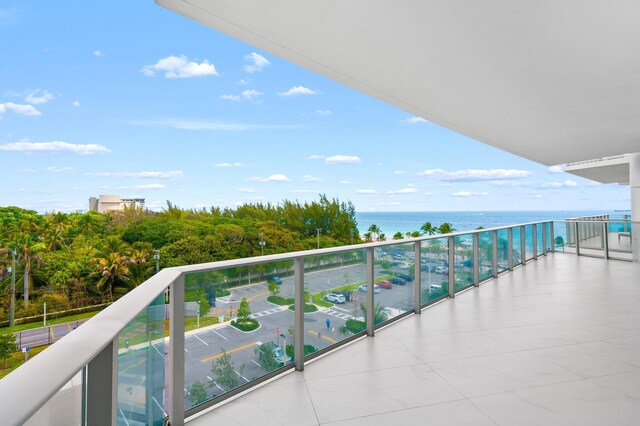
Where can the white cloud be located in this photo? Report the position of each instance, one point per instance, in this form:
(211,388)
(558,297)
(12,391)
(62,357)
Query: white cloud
(235,98)
(247,95)
(145,187)
(323,112)
(298,90)
(399,172)
(278,177)
(213,125)
(414,120)
(510,183)
(310,178)
(180,67)
(315,157)
(472,175)
(563,184)
(345,182)
(247,190)
(29,170)
(256,63)
(391,204)
(469,194)
(556,169)
(80,149)
(428,194)
(343,159)
(38,97)
(228,164)
(98,53)
(21,109)
(144,175)
(242,82)
(76,104)
(54,169)
(366,191)
(409,190)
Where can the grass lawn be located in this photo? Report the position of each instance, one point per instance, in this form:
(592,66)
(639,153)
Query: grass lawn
(16,359)
(70,318)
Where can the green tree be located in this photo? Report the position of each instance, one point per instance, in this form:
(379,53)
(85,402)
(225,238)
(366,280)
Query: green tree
(29,250)
(379,315)
(375,232)
(446,228)
(428,229)
(7,347)
(244,310)
(274,288)
(225,371)
(112,269)
(265,356)
(397,236)
(196,393)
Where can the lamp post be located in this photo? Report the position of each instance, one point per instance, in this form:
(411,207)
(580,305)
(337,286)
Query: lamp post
(318,234)
(198,317)
(12,305)
(262,242)
(156,256)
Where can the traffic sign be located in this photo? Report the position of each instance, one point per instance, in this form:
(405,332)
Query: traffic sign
(277,329)
(26,349)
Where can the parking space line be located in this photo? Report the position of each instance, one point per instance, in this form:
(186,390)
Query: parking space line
(157,350)
(69,325)
(210,379)
(246,380)
(219,334)
(196,336)
(255,363)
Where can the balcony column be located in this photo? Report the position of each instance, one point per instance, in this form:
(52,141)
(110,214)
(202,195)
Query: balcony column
(634,184)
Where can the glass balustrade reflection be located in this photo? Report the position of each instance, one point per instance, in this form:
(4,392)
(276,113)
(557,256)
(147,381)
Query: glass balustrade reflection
(143,350)
(335,299)
(239,326)
(394,277)
(517,246)
(503,250)
(547,226)
(539,238)
(561,238)
(463,265)
(591,237)
(434,274)
(64,408)
(619,235)
(485,255)
(528,237)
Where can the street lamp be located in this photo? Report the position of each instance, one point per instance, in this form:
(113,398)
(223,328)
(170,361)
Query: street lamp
(12,305)
(318,234)
(198,320)
(156,256)
(262,242)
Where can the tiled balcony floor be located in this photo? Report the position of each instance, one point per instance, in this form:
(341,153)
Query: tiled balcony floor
(554,343)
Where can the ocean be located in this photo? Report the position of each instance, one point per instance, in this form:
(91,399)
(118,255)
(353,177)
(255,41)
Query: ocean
(392,222)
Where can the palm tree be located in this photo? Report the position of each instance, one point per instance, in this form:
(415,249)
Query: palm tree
(28,255)
(375,232)
(428,229)
(446,228)
(112,269)
(139,267)
(379,315)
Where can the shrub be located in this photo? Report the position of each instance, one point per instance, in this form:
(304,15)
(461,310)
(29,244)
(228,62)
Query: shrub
(308,349)
(248,324)
(307,308)
(355,326)
(278,300)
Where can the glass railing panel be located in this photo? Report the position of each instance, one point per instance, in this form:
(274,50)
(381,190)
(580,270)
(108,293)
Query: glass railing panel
(485,255)
(463,262)
(619,235)
(335,293)
(540,242)
(517,247)
(239,325)
(547,226)
(591,237)
(434,274)
(503,250)
(143,350)
(63,408)
(561,239)
(394,277)
(528,236)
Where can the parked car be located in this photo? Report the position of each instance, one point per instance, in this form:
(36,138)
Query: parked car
(385,284)
(406,277)
(348,295)
(363,288)
(397,281)
(441,270)
(276,280)
(435,287)
(335,298)
(281,358)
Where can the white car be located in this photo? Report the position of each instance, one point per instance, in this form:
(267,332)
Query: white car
(441,270)
(435,287)
(335,298)
(363,288)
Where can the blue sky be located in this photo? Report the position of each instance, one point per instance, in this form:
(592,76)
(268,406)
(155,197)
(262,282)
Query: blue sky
(124,97)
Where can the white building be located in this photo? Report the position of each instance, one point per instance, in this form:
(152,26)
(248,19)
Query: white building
(105,203)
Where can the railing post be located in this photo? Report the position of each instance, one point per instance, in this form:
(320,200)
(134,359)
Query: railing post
(510,248)
(534,233)
(544,239)
(102,386)
(577,237)
(476,259)
(494,253)
(298,321)
(552,237)
(417,278)
(370,300)
(605,239)
(452,267)
(523,245)
(176,352)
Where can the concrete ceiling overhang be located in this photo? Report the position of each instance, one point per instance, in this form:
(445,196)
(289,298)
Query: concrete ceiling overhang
(604,170)
(552,81)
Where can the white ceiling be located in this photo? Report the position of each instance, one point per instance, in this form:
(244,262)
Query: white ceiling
(605,170)
(551,81)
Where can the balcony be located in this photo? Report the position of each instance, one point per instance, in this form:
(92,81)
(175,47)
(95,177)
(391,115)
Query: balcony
(476,326)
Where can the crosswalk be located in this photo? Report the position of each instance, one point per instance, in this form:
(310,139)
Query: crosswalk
(267,312)
(337,314)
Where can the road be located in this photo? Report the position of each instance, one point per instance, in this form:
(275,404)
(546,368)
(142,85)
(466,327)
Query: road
(204,346)
(45,335)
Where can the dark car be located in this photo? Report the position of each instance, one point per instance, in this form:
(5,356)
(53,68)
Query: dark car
(276,280)
(348,295)
(405,277)
(397,280)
